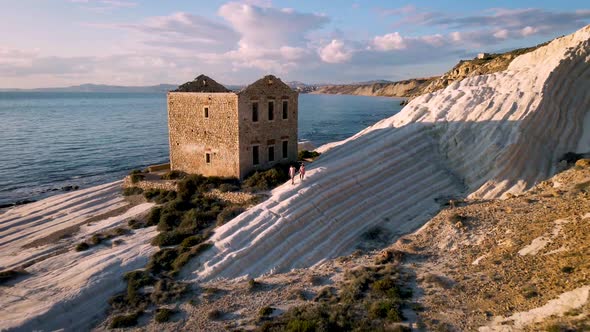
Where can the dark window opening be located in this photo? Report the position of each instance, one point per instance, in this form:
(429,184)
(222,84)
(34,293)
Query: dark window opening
(206,112)
(271,153)
(271,111)
(255,159)
(285,149)
(208,158)
(285,109)
(254,112)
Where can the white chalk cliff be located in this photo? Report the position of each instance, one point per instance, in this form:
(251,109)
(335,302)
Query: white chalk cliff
(481,137)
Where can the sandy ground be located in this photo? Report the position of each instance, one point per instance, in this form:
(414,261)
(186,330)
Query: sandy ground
(483,265)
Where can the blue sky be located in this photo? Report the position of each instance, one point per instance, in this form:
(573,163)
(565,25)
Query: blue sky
(49,43)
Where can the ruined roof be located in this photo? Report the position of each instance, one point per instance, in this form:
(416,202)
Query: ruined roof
(267,81)
(202,83)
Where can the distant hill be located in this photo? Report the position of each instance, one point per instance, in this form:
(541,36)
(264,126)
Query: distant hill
(412,88)
(376,88)
(101,88)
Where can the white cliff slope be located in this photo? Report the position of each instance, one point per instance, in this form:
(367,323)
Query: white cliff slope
(64,288)
(481,137)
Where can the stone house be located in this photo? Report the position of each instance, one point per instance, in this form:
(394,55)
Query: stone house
(216,132)
(483,56)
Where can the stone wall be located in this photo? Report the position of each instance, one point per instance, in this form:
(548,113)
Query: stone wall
(151,184)
(265,132)
(192,135)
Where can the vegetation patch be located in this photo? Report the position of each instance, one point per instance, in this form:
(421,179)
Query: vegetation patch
(135,178)
(123,321)
(228,213)
(8,275)
(129,191)
(82,246)
(174,175)
(266,180)
(184,219)
(99,238)
(370,298)
(265,311)
(163,315)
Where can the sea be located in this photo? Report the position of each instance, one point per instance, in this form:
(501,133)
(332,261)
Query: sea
(54,142)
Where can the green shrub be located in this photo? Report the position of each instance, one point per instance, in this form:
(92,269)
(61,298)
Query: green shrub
(228,187)
(386,309)
(138,278)
(201,247)
(135,178)
(135,171)
(195,220)
(228,213)
(118,301)
(266,180)
(132,191)
(169,238)
(326,294)
(167,291)
(191,241)
(304,154)
(153,217)
(253,284)
(186,256)
(118,232)
(162,260)
(96,239)
(159,196)
(300,325)
(123,321)
(173,175)
(181,261)
(163,315)
(383,286)
(135,224)
(82,246)
(265,311)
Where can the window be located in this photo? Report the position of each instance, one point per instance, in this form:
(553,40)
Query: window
(206,112)
(271,110)
(271,153)
(255,159)
(208,158)
(285,149)
(285,109)
(254,112)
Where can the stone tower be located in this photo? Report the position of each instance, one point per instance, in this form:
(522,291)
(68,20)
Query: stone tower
(216,132)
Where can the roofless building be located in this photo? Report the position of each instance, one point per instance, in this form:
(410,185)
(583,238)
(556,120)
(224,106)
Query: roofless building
(216,132)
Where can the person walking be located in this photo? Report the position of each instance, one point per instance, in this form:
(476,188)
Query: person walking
(302,171)
(292,171)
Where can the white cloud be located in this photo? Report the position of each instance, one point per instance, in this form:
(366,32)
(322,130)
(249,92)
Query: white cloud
(335,52)
(502,34)
(105,5)
(270,27)
(390,41)
(528,31)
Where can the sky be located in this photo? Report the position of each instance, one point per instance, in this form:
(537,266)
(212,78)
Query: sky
(51,43)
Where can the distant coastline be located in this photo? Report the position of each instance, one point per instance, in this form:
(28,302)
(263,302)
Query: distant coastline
(103,88)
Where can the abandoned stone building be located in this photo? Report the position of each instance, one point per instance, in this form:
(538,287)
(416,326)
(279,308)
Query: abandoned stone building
(216,132)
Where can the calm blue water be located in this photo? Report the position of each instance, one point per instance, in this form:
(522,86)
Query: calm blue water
(52,140)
